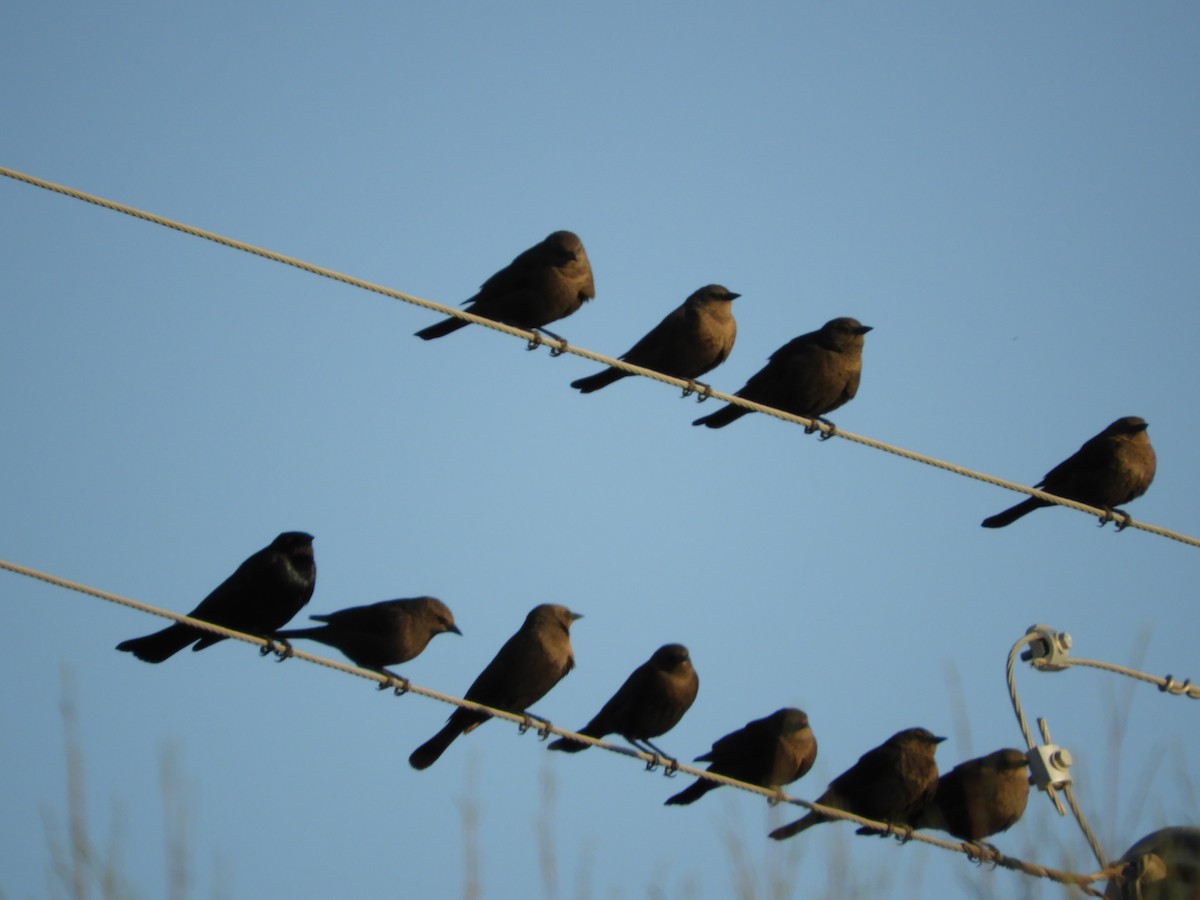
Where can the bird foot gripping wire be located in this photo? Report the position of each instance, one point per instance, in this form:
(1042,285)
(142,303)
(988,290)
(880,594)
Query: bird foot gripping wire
(528,721)
(281,647)
(824,434)
(700,389)
(398,684)
(1120,519)
(670,765)
(981,853)
(902,833)
(537,340)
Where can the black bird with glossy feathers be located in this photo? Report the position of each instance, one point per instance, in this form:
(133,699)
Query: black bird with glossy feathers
(260,597)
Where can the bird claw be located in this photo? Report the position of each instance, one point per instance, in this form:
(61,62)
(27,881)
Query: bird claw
(528,721)
(776,798)
(670,765)
(700,389)
(816,426)
(281,647)
(537,340)
(1122,523)
(396,683)
(981,852)
(902,833)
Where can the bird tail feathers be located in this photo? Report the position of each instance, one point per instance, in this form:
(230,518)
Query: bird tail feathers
(162,645)
(1010,515)
(441,329)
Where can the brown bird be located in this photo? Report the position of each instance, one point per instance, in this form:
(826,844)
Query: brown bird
(980,797)
(888,784)
(650,702)
(529,664)
(549,281)
(808,376)
(1114,467)
(261,596)
(769,752)
(693,339)
(381,634)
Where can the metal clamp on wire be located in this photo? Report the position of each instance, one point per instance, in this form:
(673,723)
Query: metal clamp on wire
(1049,766)
(1049,652)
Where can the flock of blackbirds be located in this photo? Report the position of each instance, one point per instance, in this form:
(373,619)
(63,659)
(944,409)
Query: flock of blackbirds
(896,783)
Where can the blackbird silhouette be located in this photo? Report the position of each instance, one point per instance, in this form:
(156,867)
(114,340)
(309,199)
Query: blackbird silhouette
(979,797)
(769,752)
(891,783)
(260,597)
(650,703)
(808,376)
(1114,467)
(693,339)
(529,664)
(547,282)
(381,634)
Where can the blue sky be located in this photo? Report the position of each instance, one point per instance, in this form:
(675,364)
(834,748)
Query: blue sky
(1008,196)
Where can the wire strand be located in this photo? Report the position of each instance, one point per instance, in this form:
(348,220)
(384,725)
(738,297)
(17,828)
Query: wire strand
(976,852)
(1167,684)
(561,346)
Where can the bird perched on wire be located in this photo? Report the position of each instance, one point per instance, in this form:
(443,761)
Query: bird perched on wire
(547,282)
(979,797)
(381,634)
(650,703)
(693,339)
(891,783)
(808,376)
(769,752)
(260,597)
(1112,468)
(529,664)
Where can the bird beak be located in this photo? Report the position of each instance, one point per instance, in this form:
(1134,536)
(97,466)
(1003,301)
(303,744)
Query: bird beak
(733,296)
(863,329)
(938,740)
(575,616)
(455,629)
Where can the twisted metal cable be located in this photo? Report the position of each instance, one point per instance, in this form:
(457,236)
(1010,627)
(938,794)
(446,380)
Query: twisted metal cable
(559,346)
(1088,834)
(1030,637)
(1167,684)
